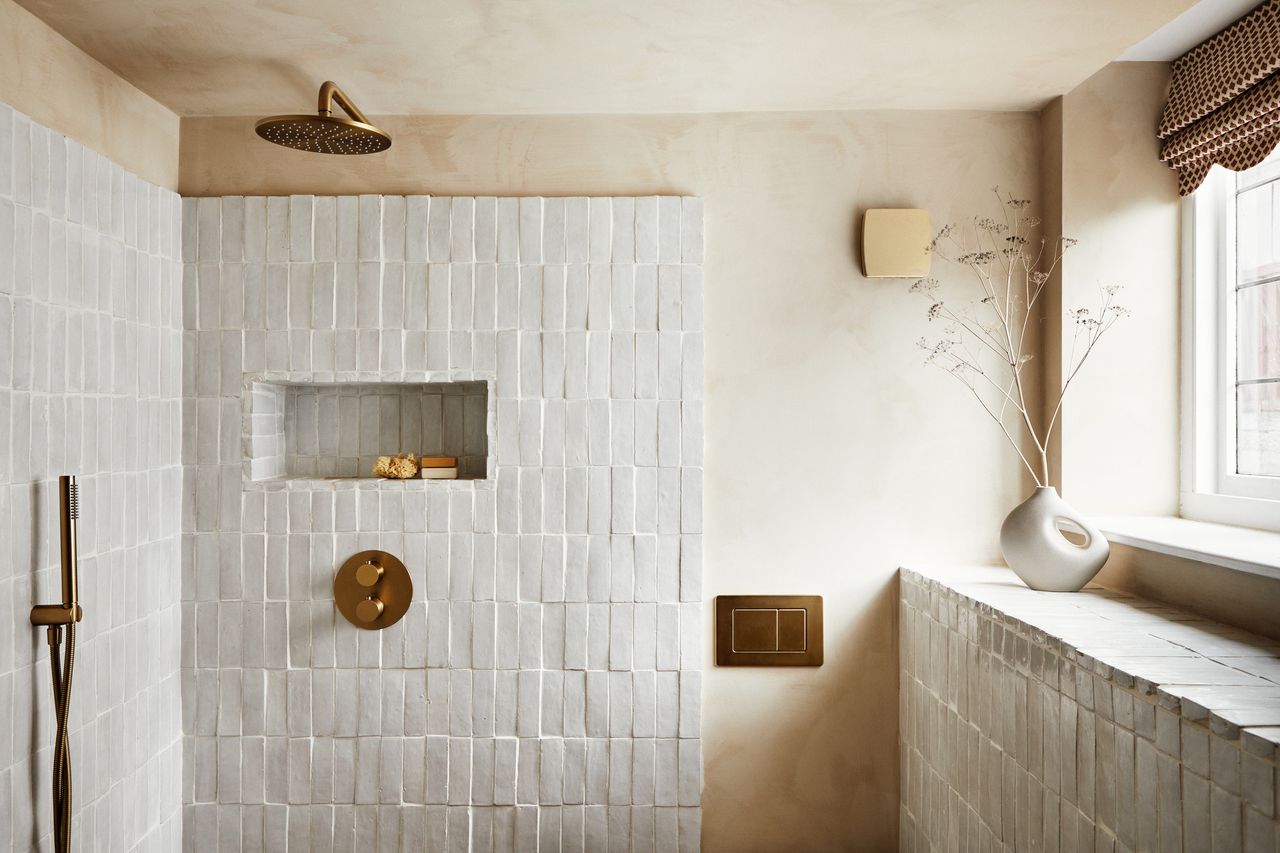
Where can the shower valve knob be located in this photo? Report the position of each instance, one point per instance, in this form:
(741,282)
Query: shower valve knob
(369,609)
(369,574)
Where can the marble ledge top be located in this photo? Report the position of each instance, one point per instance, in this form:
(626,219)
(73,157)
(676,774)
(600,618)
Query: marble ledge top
(1208,672)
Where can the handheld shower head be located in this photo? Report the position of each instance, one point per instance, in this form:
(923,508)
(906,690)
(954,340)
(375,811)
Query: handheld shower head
(69,611)
(69,498)
(57,618)
(325,133)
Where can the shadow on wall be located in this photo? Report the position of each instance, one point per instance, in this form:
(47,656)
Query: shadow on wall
(1224,595)
(792,787)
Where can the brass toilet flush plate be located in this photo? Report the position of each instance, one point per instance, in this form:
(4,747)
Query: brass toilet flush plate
(769,630)
(373,590)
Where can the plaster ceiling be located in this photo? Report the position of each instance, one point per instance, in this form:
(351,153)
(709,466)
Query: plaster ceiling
(248,57)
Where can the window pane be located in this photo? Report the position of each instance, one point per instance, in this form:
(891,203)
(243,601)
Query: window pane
(1257,247)
(1258,332)
(1258,429)
(1264,171)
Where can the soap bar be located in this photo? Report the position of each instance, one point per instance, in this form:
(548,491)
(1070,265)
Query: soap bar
(439,473)
(438,462)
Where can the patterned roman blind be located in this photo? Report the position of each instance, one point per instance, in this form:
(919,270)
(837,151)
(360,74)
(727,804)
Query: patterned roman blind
(1224,100)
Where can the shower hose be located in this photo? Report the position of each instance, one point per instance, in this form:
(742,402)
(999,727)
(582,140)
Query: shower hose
(62,672)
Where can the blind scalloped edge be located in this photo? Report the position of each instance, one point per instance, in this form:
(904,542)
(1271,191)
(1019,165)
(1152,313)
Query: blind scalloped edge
(1224,100)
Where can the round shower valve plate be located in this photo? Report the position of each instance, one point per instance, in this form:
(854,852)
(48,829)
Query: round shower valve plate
(373,590)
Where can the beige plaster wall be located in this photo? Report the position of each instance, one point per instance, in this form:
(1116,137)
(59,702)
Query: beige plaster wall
(1119,439)
(61,87)
(872,459)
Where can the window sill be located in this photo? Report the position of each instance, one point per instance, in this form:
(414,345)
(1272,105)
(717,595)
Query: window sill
(1242,549)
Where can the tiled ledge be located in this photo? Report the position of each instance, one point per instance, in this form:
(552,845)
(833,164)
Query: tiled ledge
(1089,721)
(338,484)
(1206,672)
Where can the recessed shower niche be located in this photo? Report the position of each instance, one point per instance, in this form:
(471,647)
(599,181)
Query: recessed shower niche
(299,430)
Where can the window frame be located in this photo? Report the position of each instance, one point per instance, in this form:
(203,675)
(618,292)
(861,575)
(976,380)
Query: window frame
(1211,490)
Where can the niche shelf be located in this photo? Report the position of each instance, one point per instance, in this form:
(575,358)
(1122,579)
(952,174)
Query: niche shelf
(319,431)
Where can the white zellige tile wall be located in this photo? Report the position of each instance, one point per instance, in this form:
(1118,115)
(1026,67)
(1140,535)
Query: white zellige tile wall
(90,384)
(1080,723)
(543,691)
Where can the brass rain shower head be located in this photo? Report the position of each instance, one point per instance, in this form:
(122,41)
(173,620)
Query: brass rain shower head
(325,133)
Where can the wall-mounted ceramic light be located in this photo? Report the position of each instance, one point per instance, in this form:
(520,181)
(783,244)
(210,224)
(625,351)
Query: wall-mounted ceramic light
(895,243)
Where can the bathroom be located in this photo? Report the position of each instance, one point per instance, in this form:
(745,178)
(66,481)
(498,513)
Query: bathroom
(634,286)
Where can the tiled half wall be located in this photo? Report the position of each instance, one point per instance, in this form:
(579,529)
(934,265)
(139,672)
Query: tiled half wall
(1092,721)
(543,691)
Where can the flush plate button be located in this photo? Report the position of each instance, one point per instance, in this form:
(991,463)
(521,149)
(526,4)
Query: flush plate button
(769,630)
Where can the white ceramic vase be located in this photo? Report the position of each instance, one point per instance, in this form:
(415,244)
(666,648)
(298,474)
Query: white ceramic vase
(1033,545)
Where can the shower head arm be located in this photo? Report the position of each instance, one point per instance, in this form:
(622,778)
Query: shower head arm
(329,93)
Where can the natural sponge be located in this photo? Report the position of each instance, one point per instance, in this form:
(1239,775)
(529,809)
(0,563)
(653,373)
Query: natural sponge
(401,467)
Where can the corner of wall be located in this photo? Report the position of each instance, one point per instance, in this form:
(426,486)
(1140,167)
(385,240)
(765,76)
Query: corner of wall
(1117,448)
(1051,190)
(64,89)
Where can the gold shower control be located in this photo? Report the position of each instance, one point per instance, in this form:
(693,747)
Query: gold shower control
(373,590)
(369,610)
(369,574)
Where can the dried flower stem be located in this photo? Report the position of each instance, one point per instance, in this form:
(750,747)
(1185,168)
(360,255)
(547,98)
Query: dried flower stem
(1012,268)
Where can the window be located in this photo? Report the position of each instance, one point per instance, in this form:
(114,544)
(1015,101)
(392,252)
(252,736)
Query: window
(1257,321)
(1231,447)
